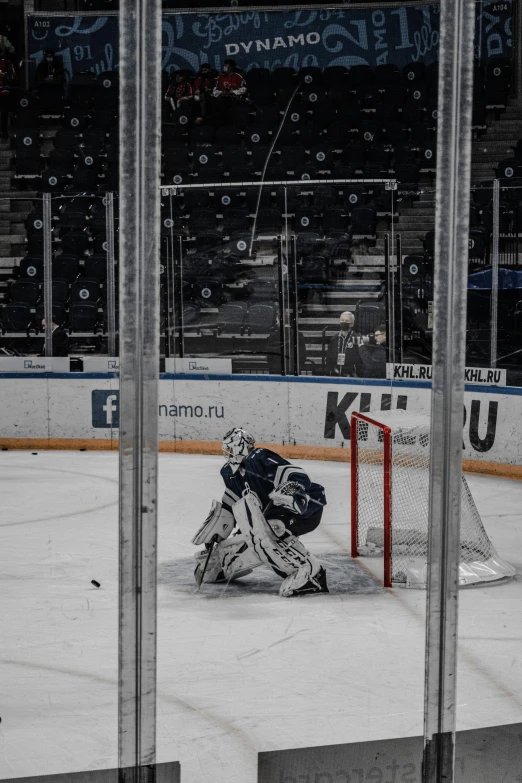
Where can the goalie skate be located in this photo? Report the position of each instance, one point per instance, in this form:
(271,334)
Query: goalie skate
(301,583)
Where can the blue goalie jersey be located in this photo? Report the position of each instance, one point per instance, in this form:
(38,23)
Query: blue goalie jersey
(262,472)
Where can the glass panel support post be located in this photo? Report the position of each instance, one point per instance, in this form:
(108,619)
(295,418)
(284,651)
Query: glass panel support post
(282,278)
(400,298)
(494,273)
(292,262)
(48,275)
(139,179)
(457,23)
(111,281)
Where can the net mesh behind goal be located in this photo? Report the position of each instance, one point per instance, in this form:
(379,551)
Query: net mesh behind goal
(390,506)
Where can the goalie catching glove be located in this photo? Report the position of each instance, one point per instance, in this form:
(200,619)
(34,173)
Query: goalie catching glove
(291,496)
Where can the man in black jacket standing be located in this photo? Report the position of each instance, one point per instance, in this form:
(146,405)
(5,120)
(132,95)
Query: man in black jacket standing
(342,356)
(374,356)
(60,343)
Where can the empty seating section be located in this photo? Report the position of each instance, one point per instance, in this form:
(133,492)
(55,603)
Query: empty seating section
(220,240)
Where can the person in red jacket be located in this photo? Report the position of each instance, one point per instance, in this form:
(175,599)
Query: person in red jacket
(179,91)
(7,78)
(203,88)
(230,84)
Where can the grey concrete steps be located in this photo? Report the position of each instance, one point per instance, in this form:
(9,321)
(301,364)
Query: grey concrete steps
(406,225)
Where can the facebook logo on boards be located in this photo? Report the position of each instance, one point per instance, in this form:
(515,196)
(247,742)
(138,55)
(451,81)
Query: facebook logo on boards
(105,409)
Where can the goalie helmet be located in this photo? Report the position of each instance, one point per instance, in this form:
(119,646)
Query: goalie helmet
(237,445)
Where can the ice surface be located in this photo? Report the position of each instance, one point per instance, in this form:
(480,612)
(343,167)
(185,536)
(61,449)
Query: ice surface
(239,670)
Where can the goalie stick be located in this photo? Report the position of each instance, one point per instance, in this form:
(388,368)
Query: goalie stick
(201,576)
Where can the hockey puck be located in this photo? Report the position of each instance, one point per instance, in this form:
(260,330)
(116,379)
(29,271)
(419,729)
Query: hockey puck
(34,453)
(95,583)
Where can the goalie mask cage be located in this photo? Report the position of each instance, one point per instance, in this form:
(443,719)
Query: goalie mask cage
(390,460)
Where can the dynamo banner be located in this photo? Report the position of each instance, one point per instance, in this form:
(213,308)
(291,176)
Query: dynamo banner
(271,39)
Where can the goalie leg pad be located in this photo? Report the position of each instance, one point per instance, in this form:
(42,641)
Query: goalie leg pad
(219,522)
(237,558)
(285,556)
(231,559)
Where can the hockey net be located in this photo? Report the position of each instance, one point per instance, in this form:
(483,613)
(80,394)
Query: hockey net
(390,502)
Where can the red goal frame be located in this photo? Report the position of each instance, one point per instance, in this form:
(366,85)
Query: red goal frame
(387,489)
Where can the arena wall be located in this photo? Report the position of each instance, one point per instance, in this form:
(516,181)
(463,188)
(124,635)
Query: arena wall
(304,417)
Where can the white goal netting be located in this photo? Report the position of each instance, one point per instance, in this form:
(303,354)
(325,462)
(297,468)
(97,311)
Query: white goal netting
(400,497)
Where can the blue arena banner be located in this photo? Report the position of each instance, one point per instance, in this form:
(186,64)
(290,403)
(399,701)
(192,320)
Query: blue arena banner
(271,39)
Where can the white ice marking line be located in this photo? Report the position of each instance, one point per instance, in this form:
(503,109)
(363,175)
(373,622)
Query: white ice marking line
(56,517)
(61,472)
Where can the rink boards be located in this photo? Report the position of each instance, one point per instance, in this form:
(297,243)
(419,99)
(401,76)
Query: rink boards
(304,417)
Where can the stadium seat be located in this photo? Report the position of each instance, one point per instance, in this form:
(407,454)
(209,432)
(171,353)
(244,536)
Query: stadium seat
(368,316)
(201,219)
(235,220)
(268,221)
(231,317)
(308,243)
(76,242)
(335,218)
(85,290)
(306,219)
(261,318)
(60,292)
(72,219)
(201,134)
(208,291)
(65,267)
(321,156)
(234,159)
(84,317)
(25,290)
(478,244)
(363,221)
(509,168)
(16,317)
(31,267)
(313,269)
(59,315)
(261,290)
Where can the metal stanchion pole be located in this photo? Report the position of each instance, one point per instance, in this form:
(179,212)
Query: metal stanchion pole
(111,282)
(494,272)
(140,71)
(457,24)
(48,277)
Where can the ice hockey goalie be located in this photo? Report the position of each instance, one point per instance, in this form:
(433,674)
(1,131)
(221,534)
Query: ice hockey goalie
(267,504)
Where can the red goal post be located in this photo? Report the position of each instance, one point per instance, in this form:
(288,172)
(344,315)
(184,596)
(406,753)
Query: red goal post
(387,488)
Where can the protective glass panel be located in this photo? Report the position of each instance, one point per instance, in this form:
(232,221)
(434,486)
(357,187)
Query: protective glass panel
(59,522)
(83,272)
(345,276)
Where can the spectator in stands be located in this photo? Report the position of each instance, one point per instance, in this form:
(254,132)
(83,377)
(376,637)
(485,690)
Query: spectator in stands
(7,79)
(179,91)
(342,355)
(6,45)
(230,84)
(203,88)
(60,343)
(50,71)
(374,356)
